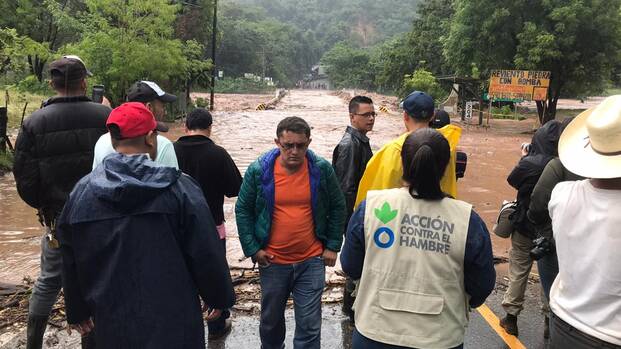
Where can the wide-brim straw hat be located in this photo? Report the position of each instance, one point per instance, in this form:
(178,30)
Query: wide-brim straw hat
(590,146)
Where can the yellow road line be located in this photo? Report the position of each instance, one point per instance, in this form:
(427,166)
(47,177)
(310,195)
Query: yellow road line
(512,341)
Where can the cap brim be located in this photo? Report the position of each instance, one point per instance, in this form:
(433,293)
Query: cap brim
(167,98)
(88,73)
(161,127)
(577,155)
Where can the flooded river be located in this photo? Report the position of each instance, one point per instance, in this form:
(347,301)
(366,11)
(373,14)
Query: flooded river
(247,134)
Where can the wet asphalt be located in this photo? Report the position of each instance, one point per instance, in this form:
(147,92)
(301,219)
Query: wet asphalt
(337,330)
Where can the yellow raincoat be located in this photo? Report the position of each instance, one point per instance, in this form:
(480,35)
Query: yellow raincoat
(384,170)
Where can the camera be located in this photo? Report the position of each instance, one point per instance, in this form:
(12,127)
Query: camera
(543,246)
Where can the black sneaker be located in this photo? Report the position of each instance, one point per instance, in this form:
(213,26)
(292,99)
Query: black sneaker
(509,323)
(213,335)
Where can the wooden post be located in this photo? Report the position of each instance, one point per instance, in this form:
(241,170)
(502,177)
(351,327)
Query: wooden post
(489,110)
(4,119)
(480,111)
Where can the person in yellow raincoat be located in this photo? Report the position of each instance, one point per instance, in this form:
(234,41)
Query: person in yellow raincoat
(384,170)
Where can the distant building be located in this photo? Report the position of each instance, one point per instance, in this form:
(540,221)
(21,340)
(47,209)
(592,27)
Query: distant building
(317,79)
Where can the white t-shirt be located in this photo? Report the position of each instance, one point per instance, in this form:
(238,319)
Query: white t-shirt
(165,151)
(587,228)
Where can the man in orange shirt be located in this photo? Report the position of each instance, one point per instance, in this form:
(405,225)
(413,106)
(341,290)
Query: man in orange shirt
(290,217)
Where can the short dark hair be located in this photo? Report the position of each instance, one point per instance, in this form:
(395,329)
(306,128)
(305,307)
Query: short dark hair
(198,119)
(424,156)
(59,82)
(293,124)
(356,101)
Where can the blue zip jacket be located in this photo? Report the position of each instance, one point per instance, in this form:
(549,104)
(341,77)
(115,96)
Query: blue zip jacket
(255,203)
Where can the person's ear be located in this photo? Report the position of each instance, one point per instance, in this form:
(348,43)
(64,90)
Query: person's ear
(276,142)
(186,130)
(351,118)
(151,139)
(84,85)
(150,106)
(406,121)
(309,141)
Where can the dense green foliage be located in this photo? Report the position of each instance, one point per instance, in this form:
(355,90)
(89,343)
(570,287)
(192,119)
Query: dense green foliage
(389,46)
(347,66)
(422,80)
(128,41)
(170,40)
(577,40)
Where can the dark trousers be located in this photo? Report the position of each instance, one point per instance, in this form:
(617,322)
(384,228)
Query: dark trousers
(359,341)
(218,324)
(565,336)
(548,269)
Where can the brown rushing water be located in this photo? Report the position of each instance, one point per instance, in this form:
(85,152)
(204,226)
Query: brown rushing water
(246,134)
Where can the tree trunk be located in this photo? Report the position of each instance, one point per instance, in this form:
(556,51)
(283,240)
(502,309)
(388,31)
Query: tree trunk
(546,110)
(36,67)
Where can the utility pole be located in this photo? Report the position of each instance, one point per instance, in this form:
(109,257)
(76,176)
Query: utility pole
(213,54)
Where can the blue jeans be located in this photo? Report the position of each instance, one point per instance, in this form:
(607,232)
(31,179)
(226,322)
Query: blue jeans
(305,281)
(548,269)
(359,341)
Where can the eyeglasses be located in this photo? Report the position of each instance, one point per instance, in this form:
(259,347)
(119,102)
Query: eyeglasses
(368,115)
(290,146)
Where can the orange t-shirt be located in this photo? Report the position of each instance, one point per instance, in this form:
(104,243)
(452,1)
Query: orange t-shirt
(292,239)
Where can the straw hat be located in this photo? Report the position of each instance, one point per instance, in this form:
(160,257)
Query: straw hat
(590,146)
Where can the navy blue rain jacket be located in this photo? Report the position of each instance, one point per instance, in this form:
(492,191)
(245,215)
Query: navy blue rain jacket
(139,247)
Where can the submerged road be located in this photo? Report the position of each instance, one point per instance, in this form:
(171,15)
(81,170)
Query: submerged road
(246,134)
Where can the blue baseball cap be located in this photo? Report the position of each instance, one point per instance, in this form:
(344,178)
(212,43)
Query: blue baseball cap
(418,105)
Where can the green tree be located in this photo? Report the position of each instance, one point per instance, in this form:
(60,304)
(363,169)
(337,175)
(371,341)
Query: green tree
(14,49)
(197,69)
(422,47)
(349,66)
(250,43)
(128,40)
(422,80)
(47,22)
(578,41)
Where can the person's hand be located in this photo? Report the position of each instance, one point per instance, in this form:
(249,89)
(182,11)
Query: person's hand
(83,328)
(263,258)
(213,314)
(329,257)
(525,148)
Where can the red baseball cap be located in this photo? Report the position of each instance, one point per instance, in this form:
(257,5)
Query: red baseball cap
(133,119)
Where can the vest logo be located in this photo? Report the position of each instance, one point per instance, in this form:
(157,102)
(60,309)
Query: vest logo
(386,213)
(384,237)
(377,237)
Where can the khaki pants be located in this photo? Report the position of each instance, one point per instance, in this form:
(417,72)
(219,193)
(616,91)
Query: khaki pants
(520,265)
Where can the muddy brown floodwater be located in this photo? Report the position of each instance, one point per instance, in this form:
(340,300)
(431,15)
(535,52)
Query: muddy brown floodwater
(492,152)
(246,133)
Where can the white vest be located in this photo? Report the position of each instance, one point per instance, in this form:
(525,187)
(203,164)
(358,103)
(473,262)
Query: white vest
(411,292)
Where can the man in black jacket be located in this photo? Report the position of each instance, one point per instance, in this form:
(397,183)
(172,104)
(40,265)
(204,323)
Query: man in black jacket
(349,160)
(54,149)
(216,173)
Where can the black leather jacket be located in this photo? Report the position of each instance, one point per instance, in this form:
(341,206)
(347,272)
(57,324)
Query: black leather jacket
(349,160)
(54,150)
